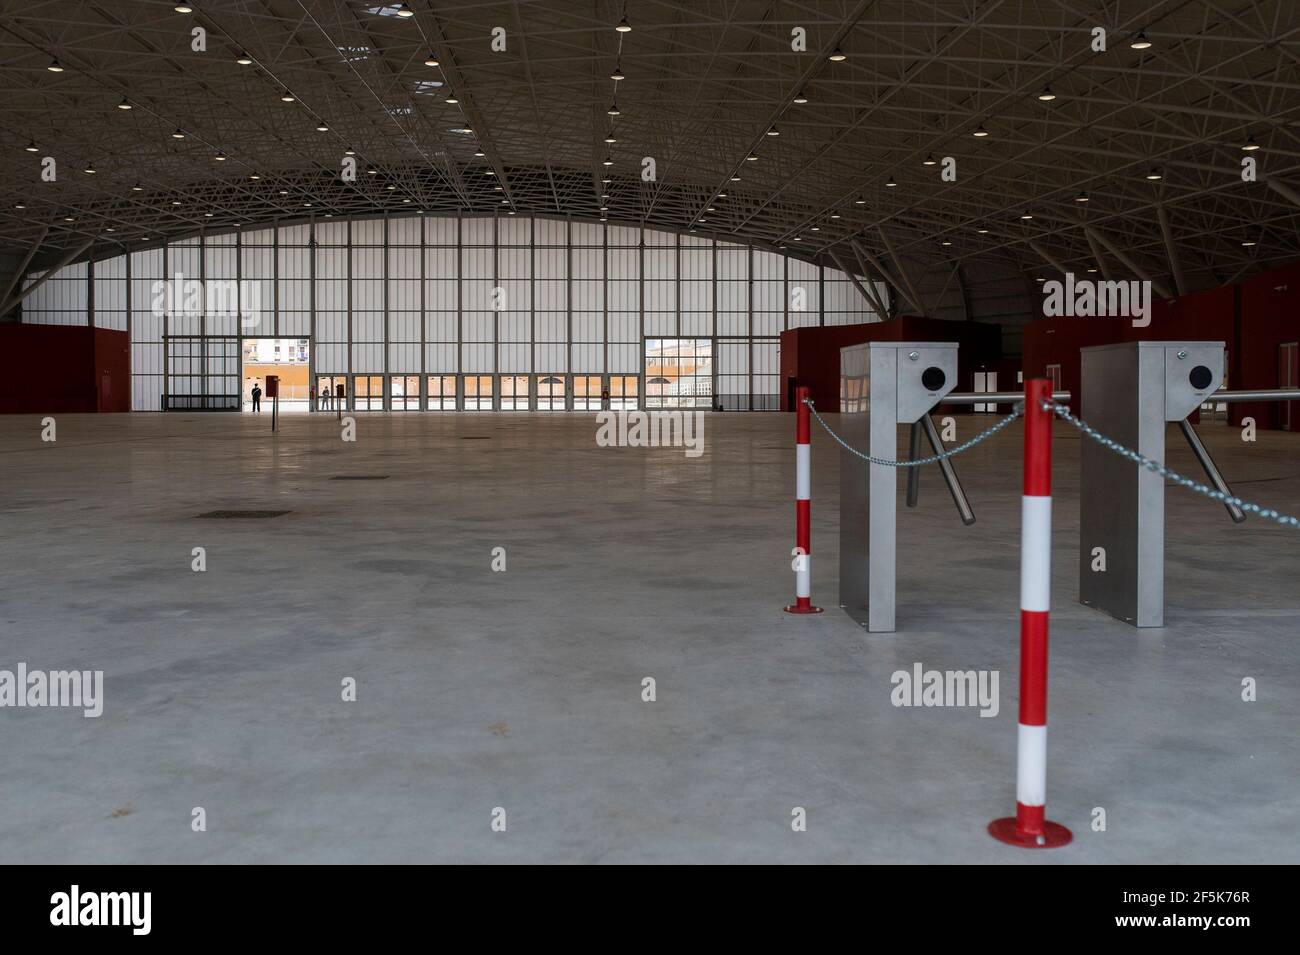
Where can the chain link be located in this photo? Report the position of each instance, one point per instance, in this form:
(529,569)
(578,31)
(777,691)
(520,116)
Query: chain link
(982,436)
(1112,445)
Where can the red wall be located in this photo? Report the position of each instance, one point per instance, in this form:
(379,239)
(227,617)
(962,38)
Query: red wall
(811,356)
(1210,315)
(47,369)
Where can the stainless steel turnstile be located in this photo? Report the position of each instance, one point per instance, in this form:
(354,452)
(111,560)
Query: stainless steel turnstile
(883,385)
(1131,390)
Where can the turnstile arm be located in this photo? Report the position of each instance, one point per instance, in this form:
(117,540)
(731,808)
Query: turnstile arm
(945,468)
(1211,470)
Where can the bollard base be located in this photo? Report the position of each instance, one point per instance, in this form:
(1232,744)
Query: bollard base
(1054,834)
(796,608)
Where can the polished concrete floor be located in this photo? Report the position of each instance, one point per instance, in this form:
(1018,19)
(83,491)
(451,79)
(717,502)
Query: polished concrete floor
(522,690)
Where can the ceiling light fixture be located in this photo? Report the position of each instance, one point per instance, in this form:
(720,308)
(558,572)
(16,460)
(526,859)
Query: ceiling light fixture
(618,73)
(751,158)
(244,59)
(980,131)
(801,97)
(613,109)
(183,8)
(220,157)
(1249,145)
(124,104)
(890,184)
(286,97)
(178,134)
(1155,175)
(624,26)
(1140,42)
(929,160)
(609,138)
(431,60)
(1026,215)
(607,161)
(137,188)
(1081,197)
(322,128)
(90,168)
(31,147)
(774,131)
(55,67)
(451,98)
(837,56)
(860,201)
(404,11)
(1047,95)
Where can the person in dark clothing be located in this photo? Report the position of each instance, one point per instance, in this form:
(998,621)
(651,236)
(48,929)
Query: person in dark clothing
(257,398)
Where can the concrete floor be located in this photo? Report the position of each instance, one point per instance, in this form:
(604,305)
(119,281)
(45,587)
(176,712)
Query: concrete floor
(522,689)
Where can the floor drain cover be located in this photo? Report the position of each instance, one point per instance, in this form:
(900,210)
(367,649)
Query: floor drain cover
(230,515)
(359,477)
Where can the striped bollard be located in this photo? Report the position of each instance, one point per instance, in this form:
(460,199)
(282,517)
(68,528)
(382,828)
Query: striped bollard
(1029,827)
(802,507)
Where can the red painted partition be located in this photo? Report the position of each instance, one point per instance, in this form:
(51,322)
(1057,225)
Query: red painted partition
(810,357)
(49,369)
(1270,318)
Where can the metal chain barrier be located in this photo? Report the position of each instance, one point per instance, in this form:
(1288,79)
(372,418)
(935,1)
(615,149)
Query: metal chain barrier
(982,436)
(1112,445)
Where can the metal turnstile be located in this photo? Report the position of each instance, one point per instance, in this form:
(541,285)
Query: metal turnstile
(883,385)
(1131,391)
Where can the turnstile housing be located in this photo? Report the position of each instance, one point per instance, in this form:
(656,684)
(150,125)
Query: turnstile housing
(1131,390)
(882,385)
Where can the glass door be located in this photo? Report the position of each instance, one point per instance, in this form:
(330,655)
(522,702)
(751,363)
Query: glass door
(442,393)
(326,391)
(404,392)
(586,393)
(622,392)
(550,392)
(514,392)
(478,392)
(367,393)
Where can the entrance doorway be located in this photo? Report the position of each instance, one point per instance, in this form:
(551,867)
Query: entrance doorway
(284,357)
(1288,376)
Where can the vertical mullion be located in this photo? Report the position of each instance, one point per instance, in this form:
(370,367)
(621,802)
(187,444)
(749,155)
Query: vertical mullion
(424,344)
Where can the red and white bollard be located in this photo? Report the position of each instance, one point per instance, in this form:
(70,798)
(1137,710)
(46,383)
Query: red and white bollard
(802,507)
(1029,827)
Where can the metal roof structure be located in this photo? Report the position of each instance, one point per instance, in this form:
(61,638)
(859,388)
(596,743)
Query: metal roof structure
(826,124)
